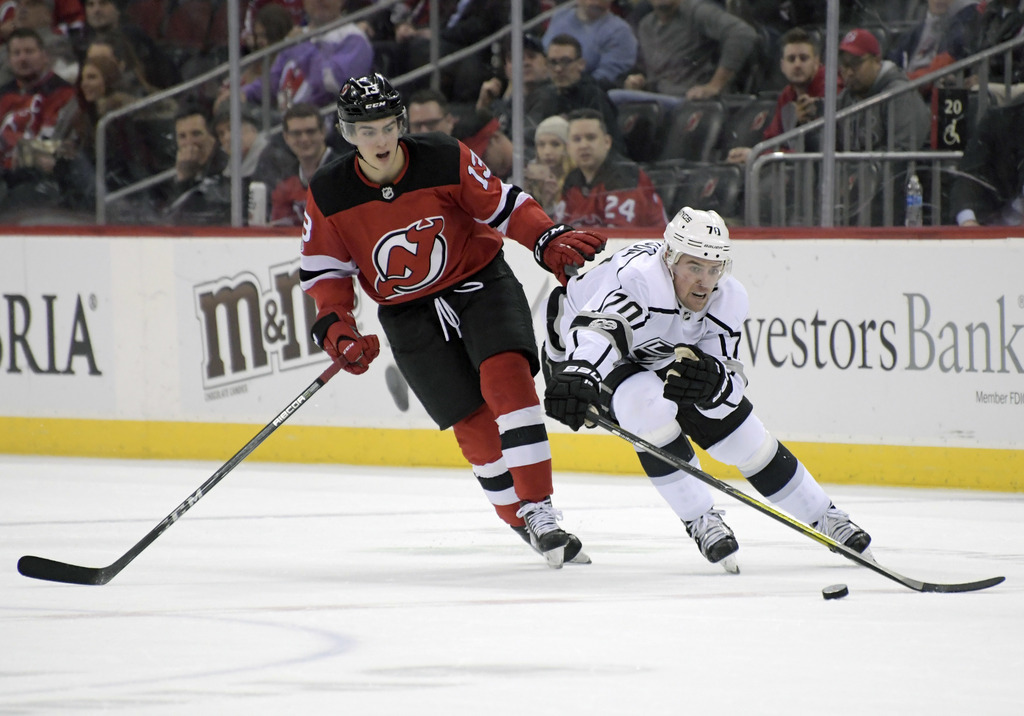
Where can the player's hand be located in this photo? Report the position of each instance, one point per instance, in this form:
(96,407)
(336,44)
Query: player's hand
(562,246)
(570,392)
(345,344)
(696,378)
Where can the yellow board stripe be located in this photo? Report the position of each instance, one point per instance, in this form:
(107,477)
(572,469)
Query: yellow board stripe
(889,465)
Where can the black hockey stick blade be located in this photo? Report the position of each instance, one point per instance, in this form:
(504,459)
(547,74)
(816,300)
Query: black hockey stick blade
(54,571)
(854,556)
(48,569)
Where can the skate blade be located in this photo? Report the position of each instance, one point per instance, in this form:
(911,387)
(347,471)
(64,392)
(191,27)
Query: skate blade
(555,557)
(729,564)
(580,558)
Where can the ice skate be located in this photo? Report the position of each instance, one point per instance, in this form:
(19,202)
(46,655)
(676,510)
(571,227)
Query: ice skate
(574,553)
(714,538)
(836,524)
(553,543)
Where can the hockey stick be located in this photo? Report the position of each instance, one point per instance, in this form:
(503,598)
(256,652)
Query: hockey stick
(594,417)
(41,568)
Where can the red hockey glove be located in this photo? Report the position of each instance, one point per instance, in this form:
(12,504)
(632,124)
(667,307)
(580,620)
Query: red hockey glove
(344,343)
(562,246)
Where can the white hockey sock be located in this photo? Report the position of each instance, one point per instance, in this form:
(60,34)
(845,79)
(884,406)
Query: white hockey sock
(803,497)
(688,497)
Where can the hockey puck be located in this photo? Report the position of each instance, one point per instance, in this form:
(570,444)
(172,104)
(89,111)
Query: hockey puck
(835,591)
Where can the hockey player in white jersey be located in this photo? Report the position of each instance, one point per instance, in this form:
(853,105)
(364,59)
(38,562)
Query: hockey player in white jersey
(651,337)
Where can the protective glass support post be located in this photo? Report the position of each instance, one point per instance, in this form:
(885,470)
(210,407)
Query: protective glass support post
(828,162)
(518,105)
(235,107)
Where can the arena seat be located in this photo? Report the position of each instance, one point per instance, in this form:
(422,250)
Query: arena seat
(692,131)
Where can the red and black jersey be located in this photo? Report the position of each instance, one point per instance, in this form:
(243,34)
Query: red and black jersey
(441,221)
(30,111)
(621,195)
(288,197)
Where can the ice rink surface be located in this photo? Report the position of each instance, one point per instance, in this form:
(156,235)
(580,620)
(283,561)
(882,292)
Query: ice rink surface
(327,590)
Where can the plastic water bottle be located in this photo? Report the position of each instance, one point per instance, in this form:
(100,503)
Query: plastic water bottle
(258,204)
(915,202)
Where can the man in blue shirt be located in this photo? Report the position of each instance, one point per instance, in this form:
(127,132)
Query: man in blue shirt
(609,46)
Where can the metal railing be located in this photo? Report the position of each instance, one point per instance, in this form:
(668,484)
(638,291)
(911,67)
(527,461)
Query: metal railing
(266,55)
(798,177)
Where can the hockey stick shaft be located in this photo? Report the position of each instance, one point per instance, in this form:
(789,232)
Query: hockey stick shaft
(51,570)
(680,464)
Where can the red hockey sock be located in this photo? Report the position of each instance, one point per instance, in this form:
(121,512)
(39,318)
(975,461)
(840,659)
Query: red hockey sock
(480,443)
(508,389)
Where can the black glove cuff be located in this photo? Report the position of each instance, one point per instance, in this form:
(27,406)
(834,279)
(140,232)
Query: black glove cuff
(580,369)
(544,239)
(319,330)
(722,391)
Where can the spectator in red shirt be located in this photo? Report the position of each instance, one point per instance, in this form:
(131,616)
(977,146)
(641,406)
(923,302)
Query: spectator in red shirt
(605,188)
(30,103)
(306,137)
(800,100)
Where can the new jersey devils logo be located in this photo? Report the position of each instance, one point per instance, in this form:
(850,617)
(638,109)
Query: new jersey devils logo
(293,85)
(411,258)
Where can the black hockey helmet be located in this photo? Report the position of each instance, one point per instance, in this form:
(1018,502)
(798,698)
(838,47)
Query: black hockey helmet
(368,98)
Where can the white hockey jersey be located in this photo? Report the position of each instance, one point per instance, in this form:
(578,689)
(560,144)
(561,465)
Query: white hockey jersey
(626,309)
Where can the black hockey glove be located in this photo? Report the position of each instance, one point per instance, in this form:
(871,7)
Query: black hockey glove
(571,390)
(697,378)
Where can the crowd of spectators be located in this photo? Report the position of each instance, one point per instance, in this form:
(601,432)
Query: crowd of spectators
(65,64)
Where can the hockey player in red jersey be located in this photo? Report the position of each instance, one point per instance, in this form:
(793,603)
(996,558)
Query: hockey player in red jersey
(651,336)
(419,221)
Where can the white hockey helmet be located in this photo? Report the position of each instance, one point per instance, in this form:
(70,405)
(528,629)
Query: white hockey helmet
(697,233)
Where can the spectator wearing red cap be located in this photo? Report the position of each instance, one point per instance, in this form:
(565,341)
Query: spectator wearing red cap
(866,75)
